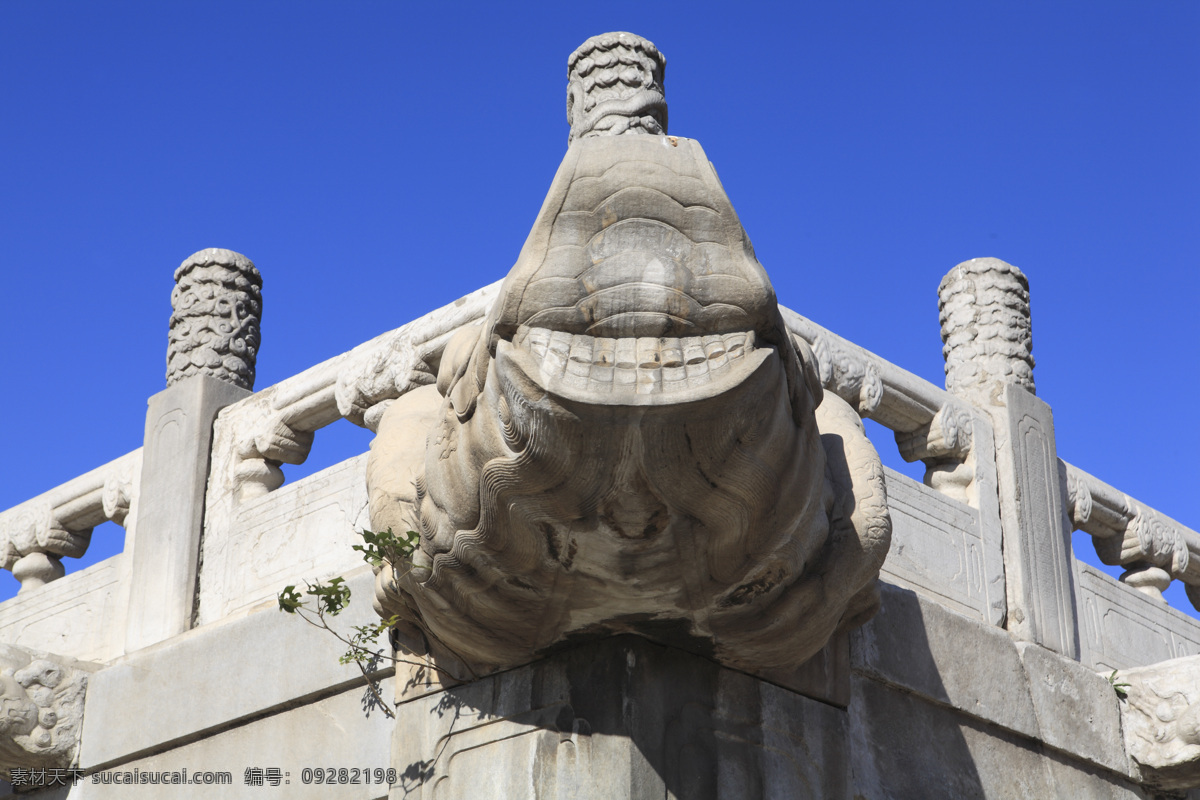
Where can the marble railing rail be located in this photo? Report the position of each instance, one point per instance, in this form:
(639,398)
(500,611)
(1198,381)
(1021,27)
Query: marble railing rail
(276,425)
(1154,548)
(37,534)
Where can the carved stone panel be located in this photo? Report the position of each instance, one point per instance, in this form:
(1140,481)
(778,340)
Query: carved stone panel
(940,549)
(1121,627)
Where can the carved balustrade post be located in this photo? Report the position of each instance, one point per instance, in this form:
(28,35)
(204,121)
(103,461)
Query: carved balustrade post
(214,337)
(988,338)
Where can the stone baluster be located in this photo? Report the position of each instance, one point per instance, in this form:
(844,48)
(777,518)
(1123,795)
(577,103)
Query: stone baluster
(213,341)
(988,338)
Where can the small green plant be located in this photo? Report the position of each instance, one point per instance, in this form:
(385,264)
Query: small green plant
(1120,687)
(328,599)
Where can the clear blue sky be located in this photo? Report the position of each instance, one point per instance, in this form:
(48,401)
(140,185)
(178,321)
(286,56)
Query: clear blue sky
(377,160)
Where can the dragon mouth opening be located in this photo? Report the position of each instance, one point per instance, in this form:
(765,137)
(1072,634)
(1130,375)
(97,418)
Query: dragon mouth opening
(635,370)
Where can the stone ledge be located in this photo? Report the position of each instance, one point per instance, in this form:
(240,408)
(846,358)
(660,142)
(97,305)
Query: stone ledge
(214,677)
(333,732)
(920,647)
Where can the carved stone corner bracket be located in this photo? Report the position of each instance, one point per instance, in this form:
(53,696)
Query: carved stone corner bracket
(42,700)
(1160,717)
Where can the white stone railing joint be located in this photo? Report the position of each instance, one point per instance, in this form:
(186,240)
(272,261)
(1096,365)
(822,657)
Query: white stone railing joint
(37,534)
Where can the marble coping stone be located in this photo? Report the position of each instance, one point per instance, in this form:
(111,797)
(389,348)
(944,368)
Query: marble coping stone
(332,733)
(215,677)
(620,719)
(904,747)
(918,646)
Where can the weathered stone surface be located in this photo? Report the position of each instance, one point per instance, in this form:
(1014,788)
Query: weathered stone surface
(623,719)
(904,747)
(633,442)
(1121,627)
(1039,566)
(217,676)
(1077,710)
(328,733)
(37,534)
(170,517)
(922,647)
(81,616)
(615,86)
(1161,721)
(940,548)
(216,308)
(307,528)
(41,709)
(1154,548)
(988,338)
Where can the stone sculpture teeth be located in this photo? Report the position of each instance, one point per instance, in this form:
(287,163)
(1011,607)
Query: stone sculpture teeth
(643,365)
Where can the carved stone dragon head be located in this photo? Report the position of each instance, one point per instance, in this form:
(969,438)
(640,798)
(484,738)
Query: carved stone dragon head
(632,442)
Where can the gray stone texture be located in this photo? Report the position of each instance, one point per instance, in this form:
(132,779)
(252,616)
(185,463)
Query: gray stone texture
(175,458)
(1077,710)
(217,676)
(329,732)
(1038,562)
(919,646)
(905,748)
(1161,720)
(632,442)
(923,648)
(624,719)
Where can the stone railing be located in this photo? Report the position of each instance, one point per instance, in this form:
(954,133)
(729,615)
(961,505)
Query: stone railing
(993,486)
(36,535)
(255,437)
(1153,548)
(276,426)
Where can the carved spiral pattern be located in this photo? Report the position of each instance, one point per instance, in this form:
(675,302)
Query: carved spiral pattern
(986,330)
(217,305)
(615,86)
